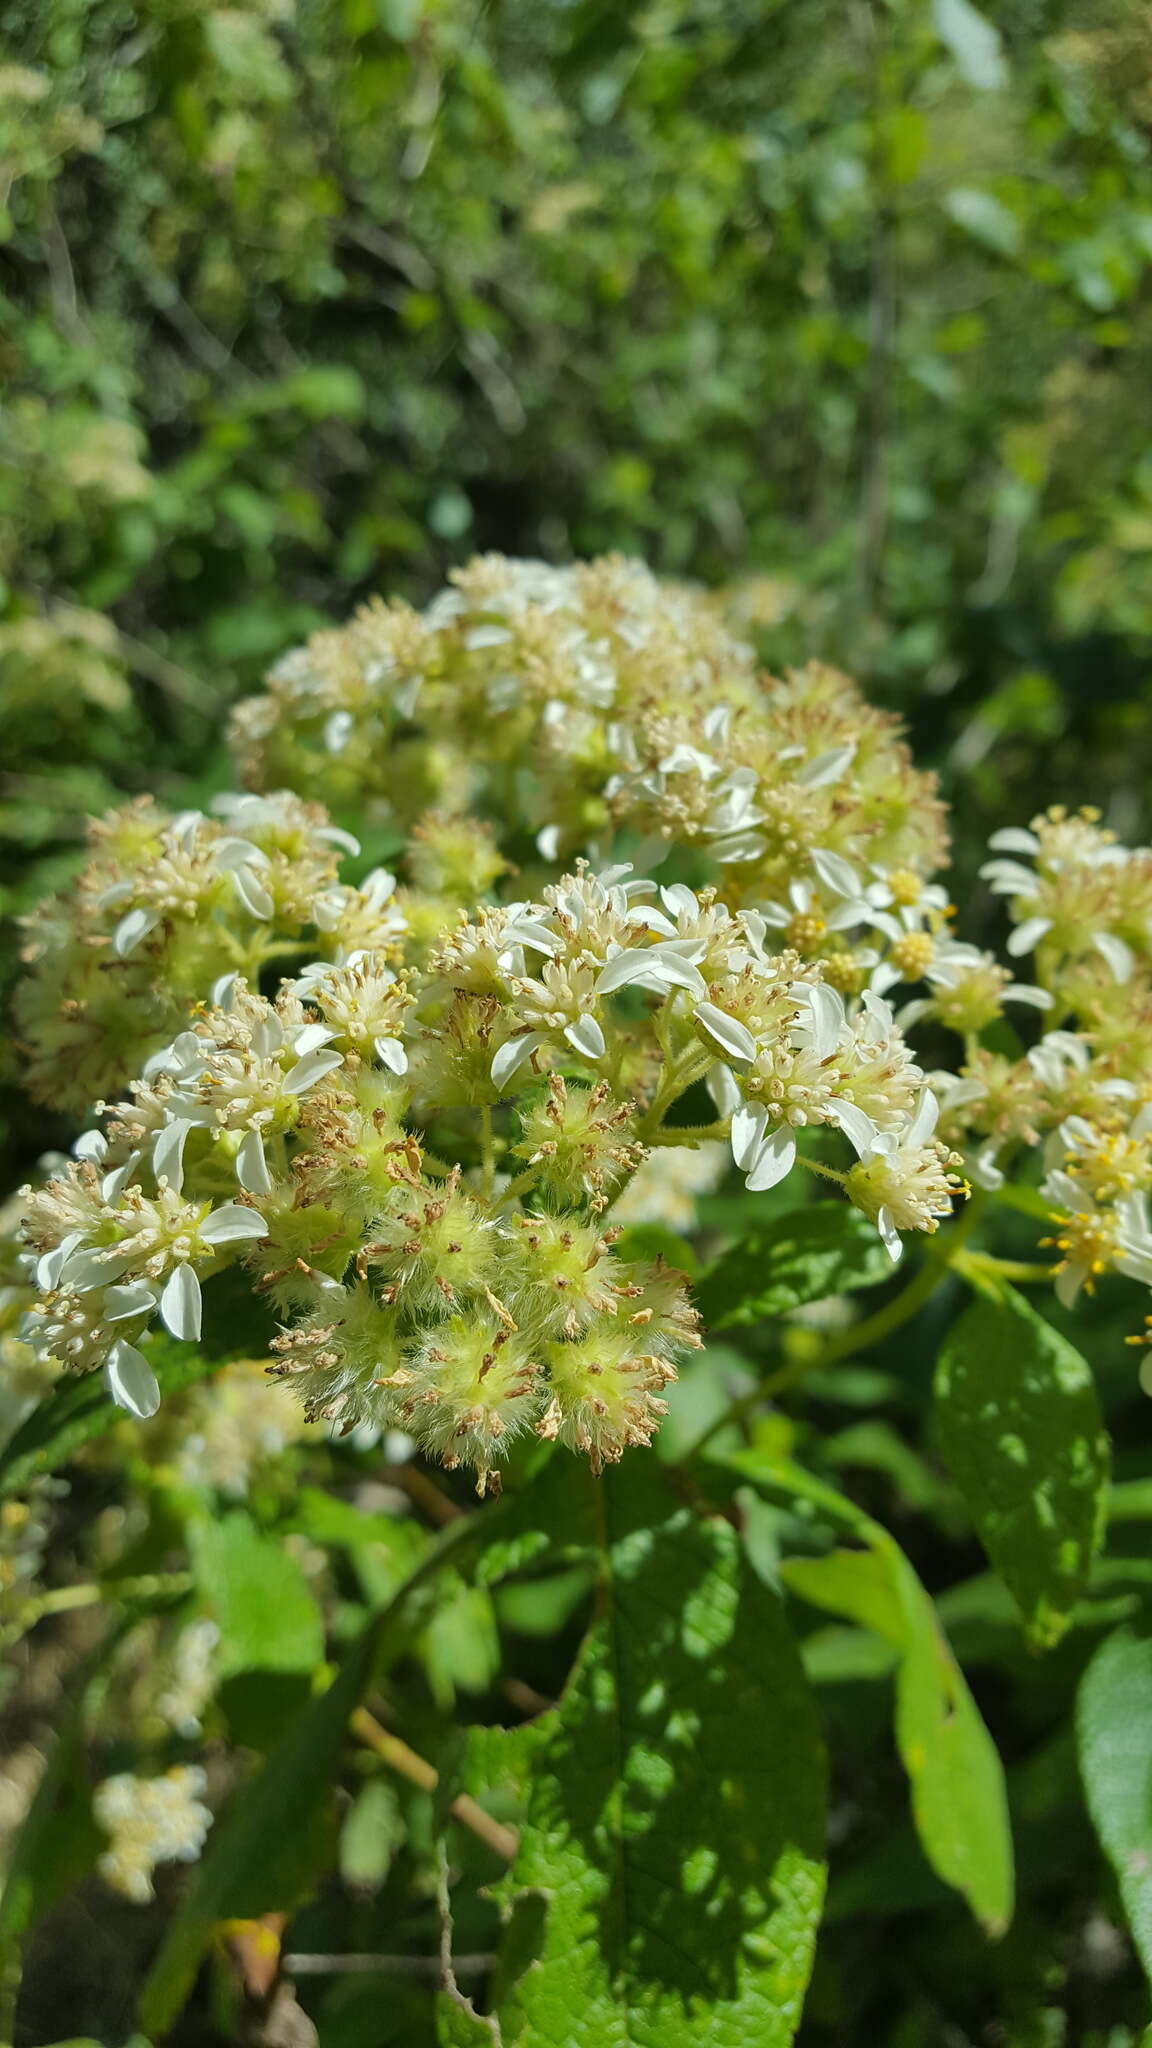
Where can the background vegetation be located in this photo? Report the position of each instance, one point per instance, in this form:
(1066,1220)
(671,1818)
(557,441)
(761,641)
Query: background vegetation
(847,305)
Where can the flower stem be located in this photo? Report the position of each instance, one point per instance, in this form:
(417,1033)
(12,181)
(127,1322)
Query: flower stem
(942,1252)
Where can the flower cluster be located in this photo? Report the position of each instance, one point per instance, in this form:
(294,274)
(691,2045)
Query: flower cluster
(1081,904)
(635,708)
(417,1170)
(150,1821)
(168,905)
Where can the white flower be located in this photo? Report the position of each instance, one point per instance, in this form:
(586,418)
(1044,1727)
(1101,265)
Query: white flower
(150,1821)
(904,1180)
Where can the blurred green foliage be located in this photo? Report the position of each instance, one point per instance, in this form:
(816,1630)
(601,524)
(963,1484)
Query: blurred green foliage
(299,303)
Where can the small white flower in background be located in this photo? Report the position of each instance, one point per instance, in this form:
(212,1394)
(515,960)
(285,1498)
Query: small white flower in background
(150,1821)
(664,1187)
(191,1679)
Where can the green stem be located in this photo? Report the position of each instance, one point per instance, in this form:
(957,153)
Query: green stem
(519,1186)
(689,1134)
(487,1151)
(942,1252)
(679,1074)
(970,1265)
(67,1599)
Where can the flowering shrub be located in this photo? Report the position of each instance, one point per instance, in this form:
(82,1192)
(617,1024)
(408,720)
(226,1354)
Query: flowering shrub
(663,1029)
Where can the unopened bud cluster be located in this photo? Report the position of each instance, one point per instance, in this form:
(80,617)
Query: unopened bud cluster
(624,704)
(168,905)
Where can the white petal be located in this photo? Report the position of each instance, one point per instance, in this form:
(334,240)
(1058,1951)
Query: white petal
(232,1224)
(619,971)
(391,1054)
(924,1122)
(1118,956)
(310,1069)
(775,1158)
(836,873)
(180,1306)
(252,893)
(983,1169)
(856,1125)
(1014,839)
(251,1165)
(530,932)
(1008,878)
(679,900)
(512,1054)
(131,1299)
(131,1381)
(85,1270)
(586,1037)
(168,1152)
(825,768)
(1136,1264)
(48,1265)
(721,1085)
(748,1127)
(131,930)
(238,852)
(334,835)
(92,1145)
(338,730)
(311,1038)
(827,1015)
(1028,935)
(113,1184)
(268,1034)
(893,1244)
(1068,1284)
(1027,992)
(223,991)
(735,1037)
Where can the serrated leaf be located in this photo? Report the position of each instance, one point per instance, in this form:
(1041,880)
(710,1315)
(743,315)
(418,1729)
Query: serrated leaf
(1114,1732)
(674,1804)
(1021,1432)
(257,1594)
(956,1779)
(80,1409)
(779,1266)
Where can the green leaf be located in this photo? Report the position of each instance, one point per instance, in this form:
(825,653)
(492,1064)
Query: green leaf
(959,1802)
(674,1803)
(264,1855)
(1021,1432)
(54,1841)
(779,1266)
(80,1409)
(1114,1729)
(458,2027)
(258,1596)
